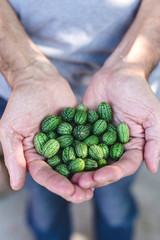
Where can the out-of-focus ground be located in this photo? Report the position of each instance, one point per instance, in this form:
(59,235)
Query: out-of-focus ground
(146,189)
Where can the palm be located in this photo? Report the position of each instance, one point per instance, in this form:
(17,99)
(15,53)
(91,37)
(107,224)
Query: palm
(26,108)
(134,103)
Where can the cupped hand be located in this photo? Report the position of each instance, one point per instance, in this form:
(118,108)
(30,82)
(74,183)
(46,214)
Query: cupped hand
(36,94)
(134,103)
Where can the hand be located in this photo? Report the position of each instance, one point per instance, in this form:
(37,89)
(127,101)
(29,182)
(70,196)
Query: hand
(134,103)
(37,93)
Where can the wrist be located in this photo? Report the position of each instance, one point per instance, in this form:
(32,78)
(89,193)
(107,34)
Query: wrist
(134,53)
(25,66)
(124,67)
(139,49)
(38,73)
(18,53)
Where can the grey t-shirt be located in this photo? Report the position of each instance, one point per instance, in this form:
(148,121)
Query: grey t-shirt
(76,35)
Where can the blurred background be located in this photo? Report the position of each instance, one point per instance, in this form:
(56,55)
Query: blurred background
(146,190)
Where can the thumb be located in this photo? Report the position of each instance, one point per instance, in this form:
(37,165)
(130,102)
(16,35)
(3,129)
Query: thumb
(14,158)
(127,165)
(152,154)
(152,146)
(90,98)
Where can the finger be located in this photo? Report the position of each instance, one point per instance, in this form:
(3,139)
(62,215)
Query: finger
(14,159)
(86,180)
(127,165)
(152,133)
(76,177)
(43,174)
(80,195)
(152,155)
(90,99)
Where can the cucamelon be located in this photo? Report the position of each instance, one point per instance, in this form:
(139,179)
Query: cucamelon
(105,111)
(64,128)
(80,117)
(109,138)
(99,127)
(123,132)
(95,152)
(39,140)
(81,107)
(105,150)
(50,148)
(81,150)
(92,116)
(68,154)
(76,165)
(65,140)
(68,114)
(50,123)
(90,164)
(54,161)
(63,170)
(102,162)
(81,132)
(116,151)
(91,140)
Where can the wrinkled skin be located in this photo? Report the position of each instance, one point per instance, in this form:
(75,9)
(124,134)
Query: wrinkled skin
(41,93)
(134,103)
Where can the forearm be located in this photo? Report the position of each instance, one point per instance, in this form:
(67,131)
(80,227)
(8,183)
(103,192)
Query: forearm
(140,47)
(17,51)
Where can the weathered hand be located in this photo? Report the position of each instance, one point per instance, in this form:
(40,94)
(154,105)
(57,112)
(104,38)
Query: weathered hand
(41,93)
(133,102)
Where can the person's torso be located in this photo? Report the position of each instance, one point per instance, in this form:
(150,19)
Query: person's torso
(77,35)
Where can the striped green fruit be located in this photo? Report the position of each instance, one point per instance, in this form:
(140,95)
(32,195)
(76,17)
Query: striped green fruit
(123,132)
(80,117)
(65,141)
(68,114)
(105,150)
(111,128)
(81,132)
(76,165)
(90,164)
(81,150)
(81,107)
(54,161)
(50,123)
(75,142)
(91,140)
(105,111)
(95,152)
(102,162)
(39,140)
(50,148)
(68,154)
(89,126)
(64,128)
(116,151)
(63,170)
(51,135)
(99,127)
(109,138)
(92,116)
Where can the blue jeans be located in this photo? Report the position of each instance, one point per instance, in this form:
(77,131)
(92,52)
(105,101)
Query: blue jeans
(114,210)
